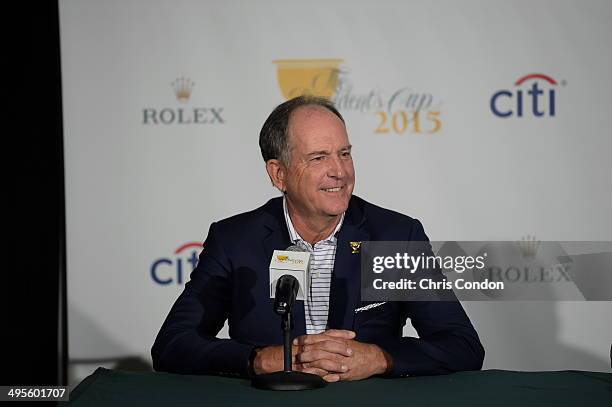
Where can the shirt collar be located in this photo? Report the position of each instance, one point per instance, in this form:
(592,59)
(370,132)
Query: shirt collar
(295,236)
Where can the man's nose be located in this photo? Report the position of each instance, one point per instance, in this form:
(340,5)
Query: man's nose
(335,170)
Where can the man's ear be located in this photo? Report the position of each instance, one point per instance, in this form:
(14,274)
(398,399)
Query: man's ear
(277,173)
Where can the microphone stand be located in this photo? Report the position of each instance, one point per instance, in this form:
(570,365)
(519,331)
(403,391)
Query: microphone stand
(287,348)
(287,379)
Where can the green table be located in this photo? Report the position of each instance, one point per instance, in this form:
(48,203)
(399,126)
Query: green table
(485,388)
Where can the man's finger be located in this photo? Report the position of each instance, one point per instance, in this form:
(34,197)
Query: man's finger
(331,366)
(340,333)
(314,370)
(331,378)
(343,376)
(314,338)
(318,354)
(332,346)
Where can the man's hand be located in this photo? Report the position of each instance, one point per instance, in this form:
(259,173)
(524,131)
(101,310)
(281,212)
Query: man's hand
(271,359)
(334,355)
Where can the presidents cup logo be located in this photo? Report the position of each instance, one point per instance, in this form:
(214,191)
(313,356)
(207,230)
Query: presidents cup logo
(317,77)
(169,270)
(286,259)
(184,114)
(401,110)
(533,95)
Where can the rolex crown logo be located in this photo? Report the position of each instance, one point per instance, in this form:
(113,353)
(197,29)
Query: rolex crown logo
(529,246)
(355,247)
(182,88)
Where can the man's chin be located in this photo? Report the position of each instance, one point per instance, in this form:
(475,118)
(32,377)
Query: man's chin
(337,210)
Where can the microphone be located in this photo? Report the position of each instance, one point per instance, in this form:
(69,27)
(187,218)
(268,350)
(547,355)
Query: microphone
(288,280)
(286,290)
(295,248)
(294,261)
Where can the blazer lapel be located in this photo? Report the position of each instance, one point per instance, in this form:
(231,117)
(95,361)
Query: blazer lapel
(346,277)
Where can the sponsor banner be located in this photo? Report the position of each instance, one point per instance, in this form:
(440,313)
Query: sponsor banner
(479,128)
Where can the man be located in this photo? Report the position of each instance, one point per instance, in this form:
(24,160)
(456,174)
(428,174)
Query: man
(308,158)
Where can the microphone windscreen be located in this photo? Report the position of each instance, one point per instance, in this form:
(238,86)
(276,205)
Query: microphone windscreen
(295,248)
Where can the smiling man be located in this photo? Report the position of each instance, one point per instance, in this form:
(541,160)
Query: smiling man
(307,152)
(317,176)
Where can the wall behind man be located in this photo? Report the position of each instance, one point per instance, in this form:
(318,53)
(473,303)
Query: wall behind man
(163,102)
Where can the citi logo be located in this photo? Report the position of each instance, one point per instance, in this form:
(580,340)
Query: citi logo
(533,95)
(169,270)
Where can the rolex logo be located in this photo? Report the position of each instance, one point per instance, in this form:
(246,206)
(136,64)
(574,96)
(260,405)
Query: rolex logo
(182,88)
(529,246)
(187,113)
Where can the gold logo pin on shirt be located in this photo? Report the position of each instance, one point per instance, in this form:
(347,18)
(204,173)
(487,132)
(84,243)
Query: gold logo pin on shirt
(355,247)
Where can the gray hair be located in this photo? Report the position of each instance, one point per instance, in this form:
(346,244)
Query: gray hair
(273,137)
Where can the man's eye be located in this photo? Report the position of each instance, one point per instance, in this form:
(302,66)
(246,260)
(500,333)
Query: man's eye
(346,154)
(318,158)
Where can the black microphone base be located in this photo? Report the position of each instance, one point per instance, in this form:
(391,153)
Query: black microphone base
(288,381)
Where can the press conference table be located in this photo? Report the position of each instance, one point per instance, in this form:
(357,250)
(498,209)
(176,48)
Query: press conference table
(485,388)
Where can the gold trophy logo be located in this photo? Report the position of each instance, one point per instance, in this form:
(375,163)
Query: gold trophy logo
(315,77)
(355,247)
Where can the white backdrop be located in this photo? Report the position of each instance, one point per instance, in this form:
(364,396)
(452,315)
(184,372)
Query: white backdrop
(147,172)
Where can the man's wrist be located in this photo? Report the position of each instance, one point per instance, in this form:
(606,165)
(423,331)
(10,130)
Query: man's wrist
(251,365)
(385,361)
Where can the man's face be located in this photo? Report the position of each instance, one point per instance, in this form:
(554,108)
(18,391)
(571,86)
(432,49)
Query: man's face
(320,175)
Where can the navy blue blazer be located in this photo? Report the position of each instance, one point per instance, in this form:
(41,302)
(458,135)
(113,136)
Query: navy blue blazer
(231,282)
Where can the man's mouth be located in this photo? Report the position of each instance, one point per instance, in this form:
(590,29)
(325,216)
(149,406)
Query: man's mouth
(336,189)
